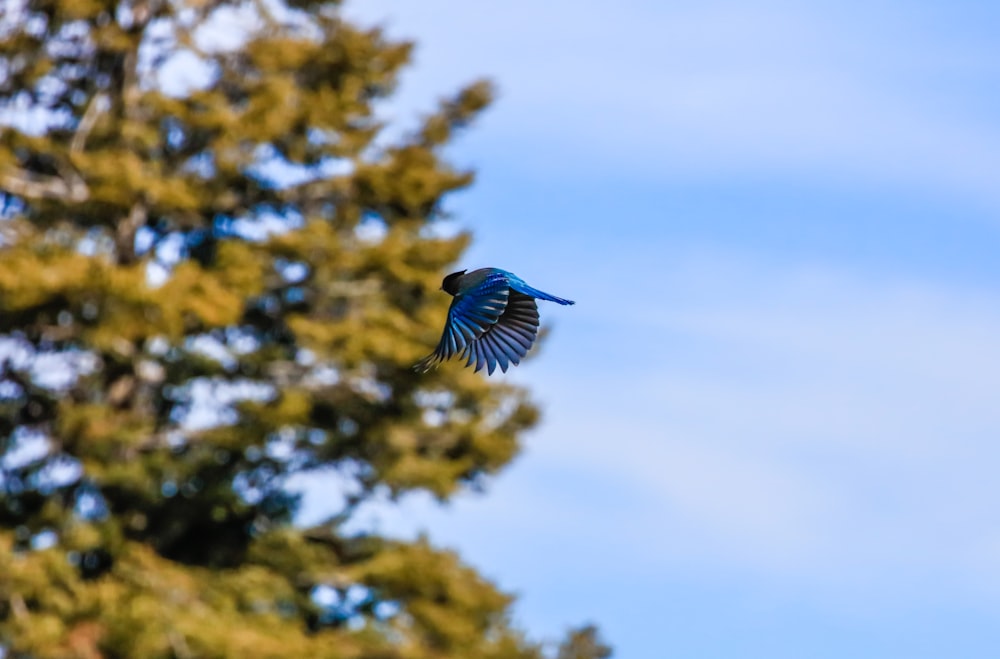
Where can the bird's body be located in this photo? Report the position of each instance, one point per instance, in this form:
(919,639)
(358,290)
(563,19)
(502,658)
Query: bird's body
(492,321)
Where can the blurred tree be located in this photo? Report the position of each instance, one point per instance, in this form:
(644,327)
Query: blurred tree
(215,272)
(584,643)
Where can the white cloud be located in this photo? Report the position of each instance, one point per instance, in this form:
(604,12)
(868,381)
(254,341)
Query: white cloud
(716,89)
(809,425)
(802,426)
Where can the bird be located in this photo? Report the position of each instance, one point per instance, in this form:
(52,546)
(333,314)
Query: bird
(493,320)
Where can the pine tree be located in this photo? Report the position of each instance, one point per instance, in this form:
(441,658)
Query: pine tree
(584,643)
(216,270)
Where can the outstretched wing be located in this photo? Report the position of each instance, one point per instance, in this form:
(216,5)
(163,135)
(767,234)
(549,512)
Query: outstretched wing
(470,316)
(507,340)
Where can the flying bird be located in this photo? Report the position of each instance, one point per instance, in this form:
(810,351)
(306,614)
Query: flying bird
(492,321)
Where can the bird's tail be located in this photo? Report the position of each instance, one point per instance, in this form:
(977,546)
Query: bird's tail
(521,287)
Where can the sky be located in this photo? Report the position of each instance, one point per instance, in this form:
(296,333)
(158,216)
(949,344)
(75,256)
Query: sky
(770,422)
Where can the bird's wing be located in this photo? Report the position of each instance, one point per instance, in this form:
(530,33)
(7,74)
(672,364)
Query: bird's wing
(470,316)
(508,340)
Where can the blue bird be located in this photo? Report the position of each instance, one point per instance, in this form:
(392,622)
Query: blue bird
(492,320)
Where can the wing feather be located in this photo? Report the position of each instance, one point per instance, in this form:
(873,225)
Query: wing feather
(508,340)
(489,326)
(469,317)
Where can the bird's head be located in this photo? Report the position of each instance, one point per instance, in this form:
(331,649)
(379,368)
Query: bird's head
(450,283)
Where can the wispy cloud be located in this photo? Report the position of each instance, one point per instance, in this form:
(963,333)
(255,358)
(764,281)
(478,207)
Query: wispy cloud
(784,419)
(718,89)
(801,424)
(807,420)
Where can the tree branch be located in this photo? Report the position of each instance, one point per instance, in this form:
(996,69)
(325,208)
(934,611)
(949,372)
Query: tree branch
(125,235)
(17,606)
(179,645)
(97,105)
(69,185)
(33,186)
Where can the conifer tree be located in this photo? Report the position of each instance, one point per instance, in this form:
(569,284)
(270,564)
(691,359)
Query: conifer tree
(584,643)
(215,273)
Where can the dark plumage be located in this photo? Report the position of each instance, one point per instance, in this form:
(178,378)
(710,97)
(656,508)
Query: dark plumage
(492,321)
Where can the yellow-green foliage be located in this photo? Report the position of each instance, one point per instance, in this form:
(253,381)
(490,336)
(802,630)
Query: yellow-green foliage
(152,266)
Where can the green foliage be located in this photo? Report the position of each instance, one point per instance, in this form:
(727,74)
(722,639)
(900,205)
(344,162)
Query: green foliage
(257,245)
(584,643)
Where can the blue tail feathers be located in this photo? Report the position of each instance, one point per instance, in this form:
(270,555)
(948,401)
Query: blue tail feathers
(521,287)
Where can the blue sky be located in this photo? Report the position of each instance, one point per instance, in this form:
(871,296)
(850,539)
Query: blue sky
(771,422)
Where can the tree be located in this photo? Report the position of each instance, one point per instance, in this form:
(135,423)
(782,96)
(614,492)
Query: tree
(584,643)
(215,273)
